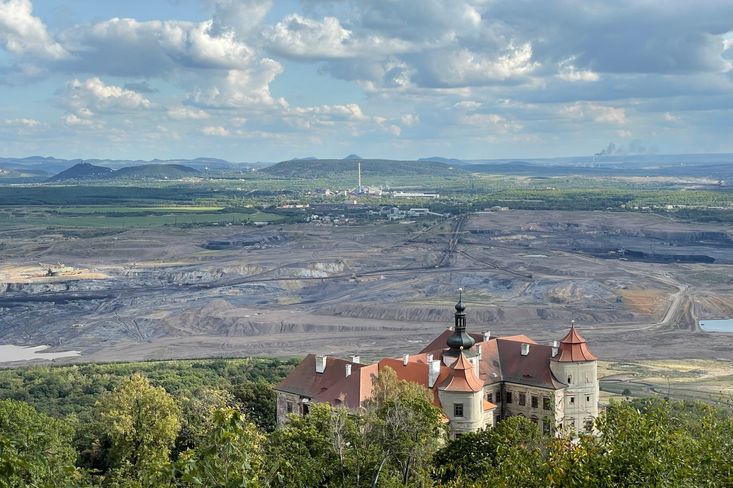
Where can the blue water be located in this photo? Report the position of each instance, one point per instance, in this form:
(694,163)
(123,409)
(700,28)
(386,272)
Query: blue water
(717,325)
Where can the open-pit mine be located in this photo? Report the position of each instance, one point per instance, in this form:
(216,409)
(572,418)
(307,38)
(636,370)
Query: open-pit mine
(636,283)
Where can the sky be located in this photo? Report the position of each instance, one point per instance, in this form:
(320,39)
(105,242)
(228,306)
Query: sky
(269,80)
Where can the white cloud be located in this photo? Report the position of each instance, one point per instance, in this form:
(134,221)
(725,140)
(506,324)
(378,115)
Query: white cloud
(669,117)
(323,115)
(23,34)
(249,88)
(187,113)
(21,123)
(595,112)
(73,120)
(153,47)
(408,120)
(93,95)
(490,121)
(216,131)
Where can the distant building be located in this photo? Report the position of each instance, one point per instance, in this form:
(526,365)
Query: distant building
(475,379)
(414,194)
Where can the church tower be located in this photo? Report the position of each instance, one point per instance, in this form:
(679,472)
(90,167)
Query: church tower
(577,367)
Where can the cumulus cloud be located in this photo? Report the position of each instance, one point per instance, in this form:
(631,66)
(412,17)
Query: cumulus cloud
(93,95)
(246,88)
(187,113)
(26,35)
(595,112)
(215,130)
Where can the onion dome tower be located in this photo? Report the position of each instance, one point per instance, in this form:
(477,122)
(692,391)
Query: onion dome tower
(460,340)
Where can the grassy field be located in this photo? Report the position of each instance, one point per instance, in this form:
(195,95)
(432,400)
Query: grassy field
(683,379)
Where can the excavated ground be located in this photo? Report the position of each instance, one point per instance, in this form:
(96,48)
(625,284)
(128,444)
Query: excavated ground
(376,290)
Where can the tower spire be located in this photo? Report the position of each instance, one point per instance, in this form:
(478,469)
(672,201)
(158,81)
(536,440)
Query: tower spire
(460,338)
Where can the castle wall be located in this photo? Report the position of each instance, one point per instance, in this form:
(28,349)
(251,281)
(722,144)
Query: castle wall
(580,402)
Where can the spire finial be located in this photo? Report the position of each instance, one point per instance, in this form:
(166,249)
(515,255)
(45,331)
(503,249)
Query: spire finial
(460,307)
(572,323)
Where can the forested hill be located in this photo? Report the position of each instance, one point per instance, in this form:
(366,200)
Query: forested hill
(324,168)
(86,171)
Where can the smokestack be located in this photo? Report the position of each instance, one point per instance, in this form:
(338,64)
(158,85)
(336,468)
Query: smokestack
(487,335)
(405,359)
(348,370)
(359,164)
(525,349)
(555,348)
(320,364)
(356,359)
(433,372)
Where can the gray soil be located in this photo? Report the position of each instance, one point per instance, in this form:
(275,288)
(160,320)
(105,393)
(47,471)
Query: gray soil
(635,283)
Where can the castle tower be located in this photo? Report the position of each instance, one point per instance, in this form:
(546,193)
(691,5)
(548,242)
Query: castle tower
(461,396)
(576,366)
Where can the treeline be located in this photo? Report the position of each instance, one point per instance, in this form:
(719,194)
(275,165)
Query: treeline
(139,434)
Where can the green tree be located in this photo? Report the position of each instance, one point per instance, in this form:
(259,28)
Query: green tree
(403,421)
(35,449)
(300,453)
(229,456)
(259,401)
(141,422)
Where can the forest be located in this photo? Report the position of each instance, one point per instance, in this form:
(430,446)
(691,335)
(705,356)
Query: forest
(211,423)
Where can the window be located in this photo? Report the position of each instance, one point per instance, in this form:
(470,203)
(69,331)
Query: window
(589,424)
(546,403)
(587,398)
(570,423)
(509,397)
(458,410)
(546,426)
(535,401)
(522,399)
(306,409)
(572,400)
(535,420)
(490,397)
(289,407)
(570,379)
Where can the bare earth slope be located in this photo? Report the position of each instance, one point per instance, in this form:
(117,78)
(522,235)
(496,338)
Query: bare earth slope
(375,290)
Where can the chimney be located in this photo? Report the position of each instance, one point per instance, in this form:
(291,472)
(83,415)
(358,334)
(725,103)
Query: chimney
(487,335)
(429,358)
(348,370)
(433,372)
(475,364)
(525,349)
(405,359)
(320,364)
(555,348)
(480,350)
(356,359)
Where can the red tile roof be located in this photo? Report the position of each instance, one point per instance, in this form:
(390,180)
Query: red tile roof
(573,348)
(462,377)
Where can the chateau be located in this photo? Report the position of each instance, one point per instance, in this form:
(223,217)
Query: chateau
(475,379)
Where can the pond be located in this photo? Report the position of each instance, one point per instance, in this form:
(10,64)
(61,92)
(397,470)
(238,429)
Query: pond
(725,325)
(9,352)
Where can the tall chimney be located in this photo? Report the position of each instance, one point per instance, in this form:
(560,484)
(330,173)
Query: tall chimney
(348,370)
(555,348)
(525,349)
(433,372)
(321,364)
(359,164)
(356,359)
(405,359)
(487,335)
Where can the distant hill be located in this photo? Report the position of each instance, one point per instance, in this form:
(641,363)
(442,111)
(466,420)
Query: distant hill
(52,166)
(82,171)
(156,172)
(353,157)
(88,171)
(324,168)
(438,159)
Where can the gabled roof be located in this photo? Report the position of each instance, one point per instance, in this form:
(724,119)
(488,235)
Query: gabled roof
(532,369)
(573,348)
(462,377)
(304,380)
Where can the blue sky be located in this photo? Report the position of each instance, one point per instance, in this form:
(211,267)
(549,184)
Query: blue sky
(259,80)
